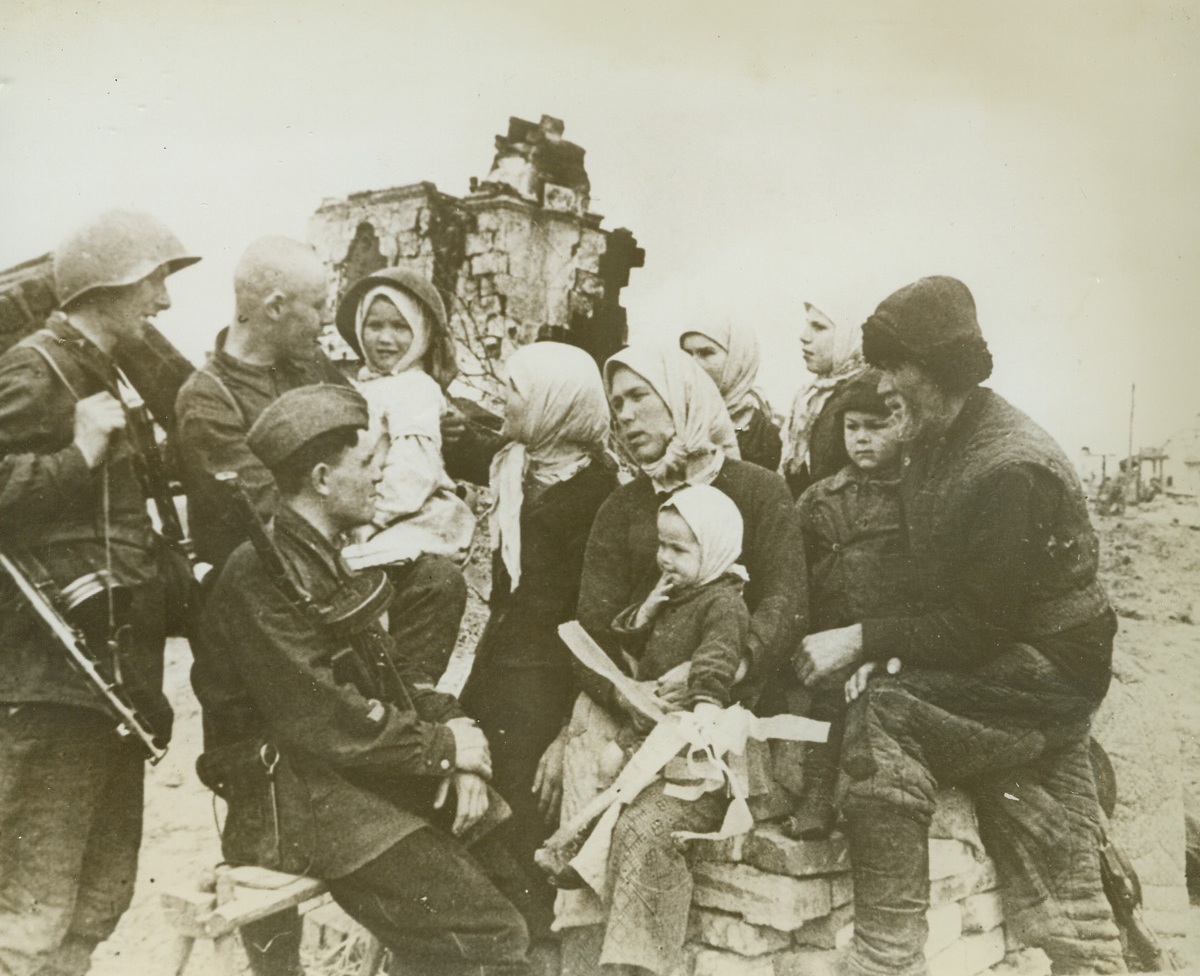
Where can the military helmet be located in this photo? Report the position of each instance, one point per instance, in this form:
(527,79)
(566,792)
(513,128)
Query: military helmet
(117,248)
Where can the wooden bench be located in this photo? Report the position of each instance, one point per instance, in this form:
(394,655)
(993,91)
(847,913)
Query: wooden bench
(242,895)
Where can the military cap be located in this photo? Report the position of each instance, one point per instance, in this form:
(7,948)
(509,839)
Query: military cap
(301,414)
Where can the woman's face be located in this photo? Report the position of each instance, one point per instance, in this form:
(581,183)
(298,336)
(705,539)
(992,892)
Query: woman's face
(708,355)
(816,340)
(642,420)
(386,335)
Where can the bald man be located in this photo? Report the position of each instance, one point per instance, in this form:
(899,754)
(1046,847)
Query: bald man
(280,292)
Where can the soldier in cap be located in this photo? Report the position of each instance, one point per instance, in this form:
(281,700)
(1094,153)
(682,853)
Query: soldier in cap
(1004,660)
(358,751)
(73,503)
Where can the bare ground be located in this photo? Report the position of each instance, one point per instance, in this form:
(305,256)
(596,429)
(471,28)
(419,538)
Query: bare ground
(1151,565)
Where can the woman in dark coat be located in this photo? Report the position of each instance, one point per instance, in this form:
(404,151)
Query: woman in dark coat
(814,447)
(547,485)
(729,354)
(673,428)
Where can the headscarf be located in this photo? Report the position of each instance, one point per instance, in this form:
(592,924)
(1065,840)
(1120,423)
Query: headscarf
(717,525)
(562,422)
(848,362)
(740,370)
(414,314)
(704,435)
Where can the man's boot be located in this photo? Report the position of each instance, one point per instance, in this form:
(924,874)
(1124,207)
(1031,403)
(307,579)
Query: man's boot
(889,854)
(815,813)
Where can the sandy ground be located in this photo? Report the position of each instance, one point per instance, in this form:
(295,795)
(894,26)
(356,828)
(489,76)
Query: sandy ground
(1151,564)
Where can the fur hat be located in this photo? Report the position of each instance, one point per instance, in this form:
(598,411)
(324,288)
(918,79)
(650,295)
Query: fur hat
(931,323)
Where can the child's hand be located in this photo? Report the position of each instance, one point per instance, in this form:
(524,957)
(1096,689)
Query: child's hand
(654,599)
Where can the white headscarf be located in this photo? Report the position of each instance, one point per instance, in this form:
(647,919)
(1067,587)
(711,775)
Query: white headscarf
(717,525)
(742,360)
(848,362)
(560,423)
(414,314)
(704,435)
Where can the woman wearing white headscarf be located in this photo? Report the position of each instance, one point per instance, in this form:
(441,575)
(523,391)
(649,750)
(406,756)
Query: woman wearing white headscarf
(671,424)
(396,321)
(547,485)
(814,444)
(729,354)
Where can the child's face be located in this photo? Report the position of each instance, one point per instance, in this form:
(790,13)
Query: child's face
(872,440)
(386,335)
(678,549)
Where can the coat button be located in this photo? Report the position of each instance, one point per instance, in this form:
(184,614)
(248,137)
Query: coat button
(445,764)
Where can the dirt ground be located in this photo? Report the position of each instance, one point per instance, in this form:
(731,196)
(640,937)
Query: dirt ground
(1151,565)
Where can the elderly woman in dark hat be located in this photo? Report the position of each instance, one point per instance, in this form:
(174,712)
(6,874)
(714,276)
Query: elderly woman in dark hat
(1005,658)
(396,321)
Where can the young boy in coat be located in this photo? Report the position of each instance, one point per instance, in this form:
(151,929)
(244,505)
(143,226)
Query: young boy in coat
(857,568)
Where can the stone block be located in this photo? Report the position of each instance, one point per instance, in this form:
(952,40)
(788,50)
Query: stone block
(982,912)
(493,262)
(714,962)
(729,849)
(841,890)
(733,934)
(479,242)
(982,951)
(944,891)
(954,816)
(951,961)
(822,933)
(945,928)
(949,857)
(807,962)
(408,244)
(1170,923)
(1023,962)
(762,899)
(769,850)
(986,879)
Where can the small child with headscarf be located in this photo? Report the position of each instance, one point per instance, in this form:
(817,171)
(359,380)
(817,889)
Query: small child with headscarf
(695,614)
(399,327)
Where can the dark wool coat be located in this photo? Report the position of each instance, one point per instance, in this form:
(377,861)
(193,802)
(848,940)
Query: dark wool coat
(52,507)
(1005,661)
(858,564)
(361,748)
(215,410)
(620,568)
(707,625)
(759,440)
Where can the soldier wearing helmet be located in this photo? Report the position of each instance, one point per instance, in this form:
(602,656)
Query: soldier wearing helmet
(73,504)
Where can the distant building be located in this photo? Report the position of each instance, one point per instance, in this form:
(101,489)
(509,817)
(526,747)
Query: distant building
(517,259)
(1181,463)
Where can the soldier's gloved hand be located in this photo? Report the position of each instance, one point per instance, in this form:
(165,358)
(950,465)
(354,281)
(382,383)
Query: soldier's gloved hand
(471,752)
(96,418)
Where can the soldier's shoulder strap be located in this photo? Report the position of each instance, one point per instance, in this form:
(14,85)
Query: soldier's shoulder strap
(46,345)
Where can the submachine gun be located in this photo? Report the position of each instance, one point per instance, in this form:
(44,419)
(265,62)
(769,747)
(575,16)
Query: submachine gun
(75,617)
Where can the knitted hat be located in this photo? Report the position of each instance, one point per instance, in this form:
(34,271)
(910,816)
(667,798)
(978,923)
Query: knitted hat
(862,393)
(302,414)
(931,323)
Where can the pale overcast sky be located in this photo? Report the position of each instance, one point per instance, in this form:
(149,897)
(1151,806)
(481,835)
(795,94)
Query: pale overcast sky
(765,152)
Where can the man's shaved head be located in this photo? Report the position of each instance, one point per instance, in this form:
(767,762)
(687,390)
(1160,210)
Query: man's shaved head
(274,264)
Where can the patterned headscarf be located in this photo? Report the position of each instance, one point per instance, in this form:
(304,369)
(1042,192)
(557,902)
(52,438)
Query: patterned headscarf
(414,314)
(848,362)
(717,525)
(740,371)
(704,436)
(559,423)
